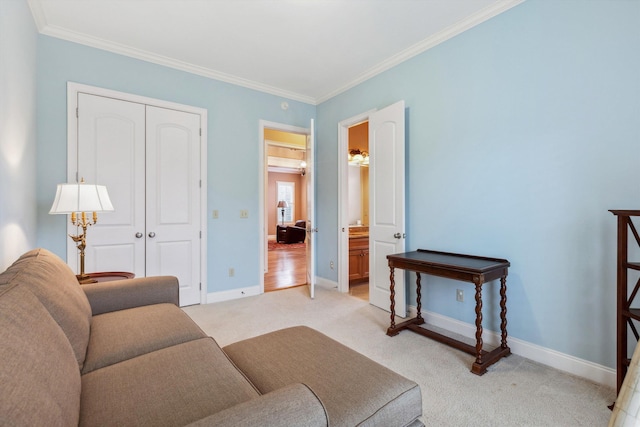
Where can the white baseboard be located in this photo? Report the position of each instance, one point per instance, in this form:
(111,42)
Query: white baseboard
(326,283)
(232,294)
(583,368)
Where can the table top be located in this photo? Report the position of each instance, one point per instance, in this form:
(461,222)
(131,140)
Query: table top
(625,212)
(461,262)
(108,276)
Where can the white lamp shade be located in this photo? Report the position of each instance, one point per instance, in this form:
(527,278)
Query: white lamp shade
(81,198)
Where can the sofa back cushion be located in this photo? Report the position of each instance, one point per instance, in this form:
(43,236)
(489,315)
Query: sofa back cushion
(39,376)
(56,287)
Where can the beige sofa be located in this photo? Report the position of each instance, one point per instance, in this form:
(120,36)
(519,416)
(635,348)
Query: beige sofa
(123,353)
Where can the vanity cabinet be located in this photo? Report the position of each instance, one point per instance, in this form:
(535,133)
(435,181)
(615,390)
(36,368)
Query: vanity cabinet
(358,259)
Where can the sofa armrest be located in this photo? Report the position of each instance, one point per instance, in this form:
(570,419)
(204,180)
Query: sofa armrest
(293,405)
(122,294)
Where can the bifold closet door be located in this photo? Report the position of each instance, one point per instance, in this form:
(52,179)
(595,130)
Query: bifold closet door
(149,160)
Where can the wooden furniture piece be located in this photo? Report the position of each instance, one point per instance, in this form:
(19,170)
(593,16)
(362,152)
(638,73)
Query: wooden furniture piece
(468,268)
(625,315)
(109,276)
(358,259)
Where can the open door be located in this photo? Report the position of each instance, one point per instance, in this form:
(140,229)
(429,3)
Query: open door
(311,222)
(387,206)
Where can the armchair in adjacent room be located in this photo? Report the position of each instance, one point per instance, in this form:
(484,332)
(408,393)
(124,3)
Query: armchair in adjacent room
(295,233)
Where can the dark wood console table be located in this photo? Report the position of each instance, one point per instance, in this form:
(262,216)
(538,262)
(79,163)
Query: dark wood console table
(468,268)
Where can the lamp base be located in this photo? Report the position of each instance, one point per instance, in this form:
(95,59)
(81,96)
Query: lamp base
(85,279)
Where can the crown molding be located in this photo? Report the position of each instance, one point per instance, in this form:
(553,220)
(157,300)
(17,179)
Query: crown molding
(98,43)
(426,44)
(39,16)
(487,13)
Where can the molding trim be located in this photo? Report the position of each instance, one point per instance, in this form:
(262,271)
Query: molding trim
(121,49)
(326,283)
(426,44)
(232,294)
(583,368)
(487,13)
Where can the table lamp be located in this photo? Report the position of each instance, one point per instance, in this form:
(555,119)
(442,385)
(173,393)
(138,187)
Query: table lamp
(78,200)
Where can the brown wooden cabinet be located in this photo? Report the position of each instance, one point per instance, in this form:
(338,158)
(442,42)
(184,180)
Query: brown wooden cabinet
(358,259)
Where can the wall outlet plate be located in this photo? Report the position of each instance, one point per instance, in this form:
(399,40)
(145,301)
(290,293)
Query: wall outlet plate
(459,295)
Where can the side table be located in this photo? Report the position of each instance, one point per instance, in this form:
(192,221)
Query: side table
(109,276)
(468,268)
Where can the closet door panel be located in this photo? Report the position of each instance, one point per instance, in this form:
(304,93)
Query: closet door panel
(173,198)
(111,152)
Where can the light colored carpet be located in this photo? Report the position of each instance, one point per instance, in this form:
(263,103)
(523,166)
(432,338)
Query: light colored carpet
(514,392)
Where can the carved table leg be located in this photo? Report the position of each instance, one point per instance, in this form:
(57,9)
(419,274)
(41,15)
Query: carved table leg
(503,310)
(393,298)
(479,322)
(419,295)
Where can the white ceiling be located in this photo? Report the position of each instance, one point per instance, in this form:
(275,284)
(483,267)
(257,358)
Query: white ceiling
(307,50)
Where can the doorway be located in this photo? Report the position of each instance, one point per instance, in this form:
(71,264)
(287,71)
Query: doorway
(152,156)
(386,212)
(358,209)
(285,207)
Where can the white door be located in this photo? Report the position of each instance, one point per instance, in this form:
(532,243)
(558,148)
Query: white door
(149,160)
(386,209)
(173,199)
(111,152)
(311,222)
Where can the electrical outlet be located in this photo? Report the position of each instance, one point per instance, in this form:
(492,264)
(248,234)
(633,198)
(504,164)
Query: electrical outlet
(232,272)
(244,213)
(215,214)
(331,265)
(459,295)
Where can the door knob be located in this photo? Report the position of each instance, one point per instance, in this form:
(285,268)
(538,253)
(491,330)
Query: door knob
(138,234)
(397,235)
(152,234)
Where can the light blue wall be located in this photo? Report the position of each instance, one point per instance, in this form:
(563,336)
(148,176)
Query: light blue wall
(18,38)
(522,132)
(233,117)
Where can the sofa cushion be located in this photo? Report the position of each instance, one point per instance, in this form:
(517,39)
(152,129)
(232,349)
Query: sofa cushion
(294,405)
(124,334)
(55,285)
(173,386)
(354,389)
(39,376)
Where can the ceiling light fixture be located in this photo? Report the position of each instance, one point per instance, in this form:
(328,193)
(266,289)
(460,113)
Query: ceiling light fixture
(358,158)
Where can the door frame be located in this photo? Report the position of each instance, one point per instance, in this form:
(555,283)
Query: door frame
(343,196)
(263,182)
(72,154)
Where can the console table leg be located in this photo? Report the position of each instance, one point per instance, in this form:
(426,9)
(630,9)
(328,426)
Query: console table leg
(419,295)
(503,310)
(392,287)
(479,322)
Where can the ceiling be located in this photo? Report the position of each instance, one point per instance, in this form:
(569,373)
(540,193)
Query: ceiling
(306,50)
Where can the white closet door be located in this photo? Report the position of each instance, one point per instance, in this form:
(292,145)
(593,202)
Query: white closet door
(173,198)
(111,152)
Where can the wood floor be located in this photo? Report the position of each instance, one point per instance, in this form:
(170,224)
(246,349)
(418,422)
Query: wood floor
(288,268)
